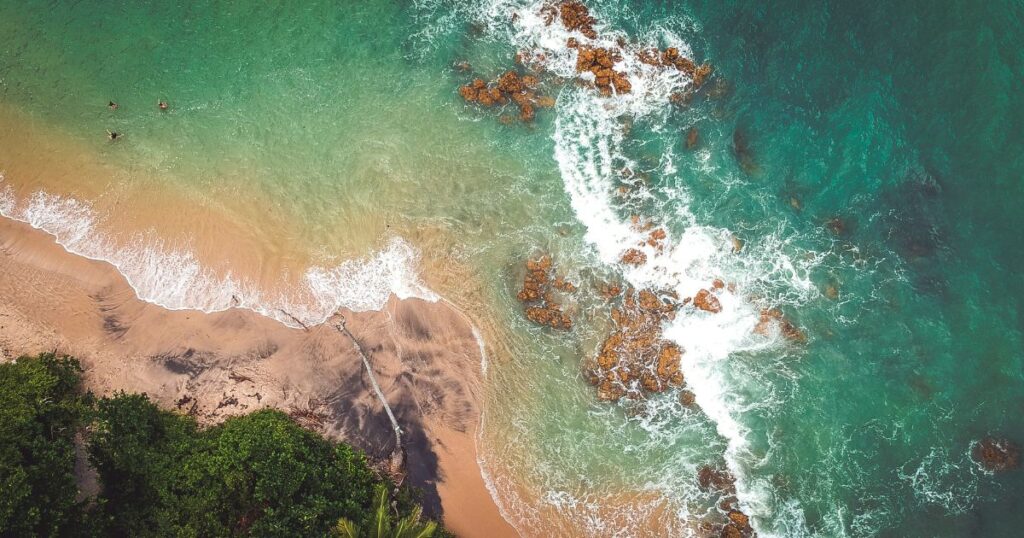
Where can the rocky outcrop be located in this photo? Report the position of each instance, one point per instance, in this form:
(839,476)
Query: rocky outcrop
(634,256)
(510,87)
(773,317)
(538,297)
(707,302)
(996,454)
(716,480)
(671,57)
(634,359)
(599,62)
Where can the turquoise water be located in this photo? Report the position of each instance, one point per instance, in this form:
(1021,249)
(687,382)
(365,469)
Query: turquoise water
(901,119)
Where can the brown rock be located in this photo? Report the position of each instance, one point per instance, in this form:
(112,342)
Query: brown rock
(707,302)
(731,531)
(468,93)
(691,138)
(996,454)
(537,286)
(634,257)
(770,316)
(687,398)
(576,16)
(526,112)
(668,361)
(701,74)
(711,479)
(739,519)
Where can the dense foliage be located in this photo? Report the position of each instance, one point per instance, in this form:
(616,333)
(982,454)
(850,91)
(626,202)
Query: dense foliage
(40,408)
(160,474)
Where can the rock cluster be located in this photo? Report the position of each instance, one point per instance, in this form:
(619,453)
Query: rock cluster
(634,359)
(599,61)
(576,16)
(538,298)
(997,455)
(707,302)
(773,317)
(671,57)
(720,481)
(509,87)
(634,256)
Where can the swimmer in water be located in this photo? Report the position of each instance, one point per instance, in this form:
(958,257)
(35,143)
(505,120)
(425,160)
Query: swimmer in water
(113,135)
(112,105)
(162,105)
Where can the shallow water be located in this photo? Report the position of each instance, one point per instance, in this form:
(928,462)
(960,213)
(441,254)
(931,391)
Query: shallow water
(311,150)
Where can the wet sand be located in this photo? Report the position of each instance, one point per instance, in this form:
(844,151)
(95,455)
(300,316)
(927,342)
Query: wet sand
(425,359)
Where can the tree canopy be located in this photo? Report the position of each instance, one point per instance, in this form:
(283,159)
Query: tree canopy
(161,474)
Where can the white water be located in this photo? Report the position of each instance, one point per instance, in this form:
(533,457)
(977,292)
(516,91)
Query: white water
(588,136)
(173,278)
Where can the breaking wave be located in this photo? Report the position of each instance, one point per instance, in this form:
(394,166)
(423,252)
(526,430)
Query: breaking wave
(588,147)
(174,278)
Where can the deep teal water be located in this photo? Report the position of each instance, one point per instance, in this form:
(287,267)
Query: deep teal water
(903,119)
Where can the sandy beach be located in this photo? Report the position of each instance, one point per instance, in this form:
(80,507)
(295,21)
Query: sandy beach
(424,356)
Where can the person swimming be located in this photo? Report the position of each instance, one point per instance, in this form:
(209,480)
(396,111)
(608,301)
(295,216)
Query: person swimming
(162,105)
(112,105)
(113,135)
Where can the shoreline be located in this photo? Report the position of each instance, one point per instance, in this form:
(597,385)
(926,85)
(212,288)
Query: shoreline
(215,365)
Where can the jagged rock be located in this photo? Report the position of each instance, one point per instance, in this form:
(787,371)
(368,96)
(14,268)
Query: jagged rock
(600,61)
(739,519)
(634,359)
(576,16)
(701,74)
(737,245)
(996,454)
(774,316)
(707,302)
(540,304)
(687,398)
(634,257)
(510,86)
(712,479)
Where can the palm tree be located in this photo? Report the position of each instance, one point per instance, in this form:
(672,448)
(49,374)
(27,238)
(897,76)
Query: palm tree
(409,526)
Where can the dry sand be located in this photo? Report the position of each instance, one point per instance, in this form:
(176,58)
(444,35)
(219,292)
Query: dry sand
(424,356)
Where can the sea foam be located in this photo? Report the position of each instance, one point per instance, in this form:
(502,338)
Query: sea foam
(173,277)
(588,141)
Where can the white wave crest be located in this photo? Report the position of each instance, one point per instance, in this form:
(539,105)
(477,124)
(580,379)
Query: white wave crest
(173,277)
(588,139)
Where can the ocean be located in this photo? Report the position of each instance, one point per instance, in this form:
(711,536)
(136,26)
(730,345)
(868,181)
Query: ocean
(856,167)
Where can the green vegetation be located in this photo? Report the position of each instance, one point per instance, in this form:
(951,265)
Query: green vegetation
(381,525)
(161,475)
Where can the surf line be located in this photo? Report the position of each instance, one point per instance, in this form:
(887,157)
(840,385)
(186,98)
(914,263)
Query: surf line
(397,460)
